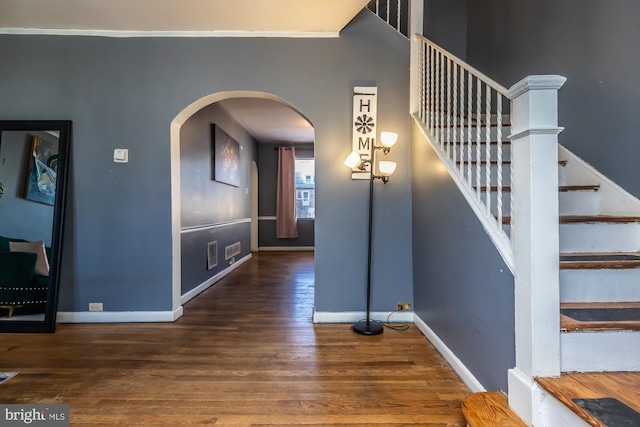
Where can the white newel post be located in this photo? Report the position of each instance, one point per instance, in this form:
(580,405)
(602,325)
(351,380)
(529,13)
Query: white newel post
(416,19)
(535,237)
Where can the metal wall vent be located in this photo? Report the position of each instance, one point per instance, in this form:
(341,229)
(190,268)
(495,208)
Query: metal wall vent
(212,254)
(232,250)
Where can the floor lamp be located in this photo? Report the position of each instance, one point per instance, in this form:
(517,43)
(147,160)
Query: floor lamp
(386,169)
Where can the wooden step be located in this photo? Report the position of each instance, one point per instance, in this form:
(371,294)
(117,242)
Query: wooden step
(589,219)
(599,261)
(489,409)
(615,395)
(562,188)
(600,316)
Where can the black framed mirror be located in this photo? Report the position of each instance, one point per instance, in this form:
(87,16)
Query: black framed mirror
(33,172)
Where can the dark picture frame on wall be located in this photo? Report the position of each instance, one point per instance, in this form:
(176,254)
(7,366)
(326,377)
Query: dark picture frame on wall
(225,157)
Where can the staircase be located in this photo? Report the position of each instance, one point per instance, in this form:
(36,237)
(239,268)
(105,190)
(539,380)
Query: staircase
(467,118)
(587,371)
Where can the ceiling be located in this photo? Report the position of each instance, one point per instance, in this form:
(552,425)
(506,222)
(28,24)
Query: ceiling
(266,120)
(269,121)
(181,15)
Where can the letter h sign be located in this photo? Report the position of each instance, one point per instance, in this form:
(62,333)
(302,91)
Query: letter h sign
(365,115)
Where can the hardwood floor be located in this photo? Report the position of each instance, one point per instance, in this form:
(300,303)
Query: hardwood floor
(245,353)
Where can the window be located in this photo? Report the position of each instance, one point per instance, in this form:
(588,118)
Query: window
(306,188)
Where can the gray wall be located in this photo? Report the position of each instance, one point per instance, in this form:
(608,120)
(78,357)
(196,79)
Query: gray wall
(208,203)
(591,42)
(267,193)
(462,288)
(445,24)
(124,93)
(21,218)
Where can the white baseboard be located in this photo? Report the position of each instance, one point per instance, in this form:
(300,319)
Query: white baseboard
(285,248)
(463,372)
(354,316)
(206,284)
(118,316)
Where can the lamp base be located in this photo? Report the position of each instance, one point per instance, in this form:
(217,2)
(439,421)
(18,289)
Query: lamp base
(367,327)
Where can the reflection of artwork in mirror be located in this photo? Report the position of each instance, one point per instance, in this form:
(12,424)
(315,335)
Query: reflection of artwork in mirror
(41,179)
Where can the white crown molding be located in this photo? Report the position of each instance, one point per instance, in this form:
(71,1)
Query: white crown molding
(194,34)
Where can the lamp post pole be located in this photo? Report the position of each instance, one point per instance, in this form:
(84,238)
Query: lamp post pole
(367,327)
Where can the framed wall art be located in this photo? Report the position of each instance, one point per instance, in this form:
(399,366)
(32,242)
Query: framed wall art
(225,157)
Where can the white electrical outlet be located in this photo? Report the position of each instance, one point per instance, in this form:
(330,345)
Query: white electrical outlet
(95,306)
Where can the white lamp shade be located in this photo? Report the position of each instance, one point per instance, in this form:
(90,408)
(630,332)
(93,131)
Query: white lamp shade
(387,168)
(352,160)
(388,139)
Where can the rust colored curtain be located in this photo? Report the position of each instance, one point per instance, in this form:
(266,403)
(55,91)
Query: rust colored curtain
(286,218)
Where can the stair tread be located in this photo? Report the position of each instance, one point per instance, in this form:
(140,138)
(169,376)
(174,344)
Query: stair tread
(599,261)
(561,188)
(570,388)
(600,316)
(567,219)
(577,219)
(486,409)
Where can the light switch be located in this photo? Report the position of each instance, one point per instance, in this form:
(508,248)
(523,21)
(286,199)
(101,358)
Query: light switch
(121,155)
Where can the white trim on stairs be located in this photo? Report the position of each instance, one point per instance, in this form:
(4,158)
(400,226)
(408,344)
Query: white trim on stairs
(501,241)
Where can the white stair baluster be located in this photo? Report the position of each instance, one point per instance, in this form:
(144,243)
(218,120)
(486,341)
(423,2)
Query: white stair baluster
(499,155)
(488,150)
(462,118)
(478,137)
(469,126)
(454,139)
(448,145)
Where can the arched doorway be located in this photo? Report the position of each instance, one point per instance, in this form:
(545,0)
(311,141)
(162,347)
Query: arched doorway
(176,200)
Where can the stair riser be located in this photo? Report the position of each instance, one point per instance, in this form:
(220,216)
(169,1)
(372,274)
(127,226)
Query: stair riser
(579,202)
(600,285)
(569,202)
(599,351)
(599,237)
